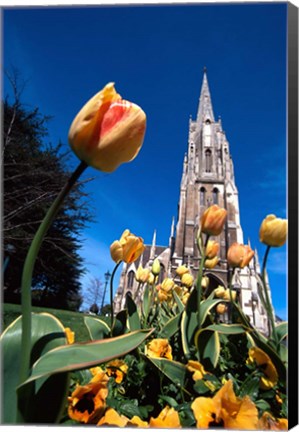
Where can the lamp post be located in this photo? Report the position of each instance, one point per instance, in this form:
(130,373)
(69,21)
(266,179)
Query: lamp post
(107,277)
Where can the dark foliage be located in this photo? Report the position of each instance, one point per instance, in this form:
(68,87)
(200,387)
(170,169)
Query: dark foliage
(34,173)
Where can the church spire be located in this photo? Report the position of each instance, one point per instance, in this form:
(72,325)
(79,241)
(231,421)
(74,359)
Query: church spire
(205,109)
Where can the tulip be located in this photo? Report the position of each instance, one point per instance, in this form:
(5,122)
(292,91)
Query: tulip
(167,284)
(108,130)
(273,231)
(227,295)
(205,282)
(213,219)
(127,249)
(239,255)
(212,249)
(220,291)
(156,267)
(187,280)
(211,263)
(221,308)
(182,269)
(142,274)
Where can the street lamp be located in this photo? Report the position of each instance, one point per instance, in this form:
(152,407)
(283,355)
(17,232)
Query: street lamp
(107,277)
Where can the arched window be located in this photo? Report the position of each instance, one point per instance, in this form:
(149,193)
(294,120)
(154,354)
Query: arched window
(215,195)
(131,275)
(208,155)
(202,196)
(162,273)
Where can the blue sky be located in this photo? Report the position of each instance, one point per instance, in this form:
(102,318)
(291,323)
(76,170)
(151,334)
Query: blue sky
(156,55)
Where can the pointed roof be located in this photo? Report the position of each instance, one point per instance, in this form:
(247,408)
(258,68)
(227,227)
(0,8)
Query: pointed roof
(205,109)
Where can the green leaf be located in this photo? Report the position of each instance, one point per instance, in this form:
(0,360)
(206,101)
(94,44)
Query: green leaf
(227,328)
(189,323)
(97,328)
(282,330)
(146,300)
(133,317)
(175,371)
(208,347)
(171,327)
(263,405)
(47,333)
(85,355)
(250,387)
(206,306)
(200,387)
(179,302)
(120,323)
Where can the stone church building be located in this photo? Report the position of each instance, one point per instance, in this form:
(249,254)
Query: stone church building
(207,178)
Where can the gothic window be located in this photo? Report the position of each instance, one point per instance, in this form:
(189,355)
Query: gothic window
(215,195)
(161,274)
(131,275)
(208,155)
(202,196)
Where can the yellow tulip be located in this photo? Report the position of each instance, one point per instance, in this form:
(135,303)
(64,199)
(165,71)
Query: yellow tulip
(108,130)
(239,255)
(213,219)
(187,280)
(167,284)
(211,263)
(219,291)
(227,295)
(182,269)
(156,267)
(142,275)
(127,249)
(205,282)
(221,308)
(212,249)
(273,231)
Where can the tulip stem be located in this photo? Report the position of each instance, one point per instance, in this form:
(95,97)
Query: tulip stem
(267,299)
(199,279)
(111,296)
(29,266)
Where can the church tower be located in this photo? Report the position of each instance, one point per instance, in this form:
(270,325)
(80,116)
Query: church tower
(207,178)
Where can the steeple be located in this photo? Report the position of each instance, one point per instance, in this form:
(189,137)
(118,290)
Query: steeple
(205,109)
(153,247)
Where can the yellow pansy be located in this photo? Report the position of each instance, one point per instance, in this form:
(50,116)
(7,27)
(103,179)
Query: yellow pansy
(168,418)
(260,358)
(159,348)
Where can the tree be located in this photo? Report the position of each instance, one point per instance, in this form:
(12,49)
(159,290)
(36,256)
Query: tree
(94,293)
(34,173)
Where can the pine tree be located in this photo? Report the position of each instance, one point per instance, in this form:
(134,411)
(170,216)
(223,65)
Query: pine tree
(34,173)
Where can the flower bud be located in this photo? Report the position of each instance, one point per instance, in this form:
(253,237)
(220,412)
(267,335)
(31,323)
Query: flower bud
(213,219)
(205,282)
(212,249)
(221,308)
(108,130)
(187,280)
(273,231)
(227,295)
(239,255)
(156,267)
(182,269)
(211,263)
(127,249)
(142,274)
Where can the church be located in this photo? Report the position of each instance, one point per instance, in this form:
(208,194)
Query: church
(207,178)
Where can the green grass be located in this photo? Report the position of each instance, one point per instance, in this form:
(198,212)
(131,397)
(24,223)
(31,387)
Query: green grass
(74,320)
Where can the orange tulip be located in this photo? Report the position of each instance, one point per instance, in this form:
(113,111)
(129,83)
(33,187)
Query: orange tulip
(213,219)
(127,249)
(108,130)
(273,231)
(221,308)
(239,255)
